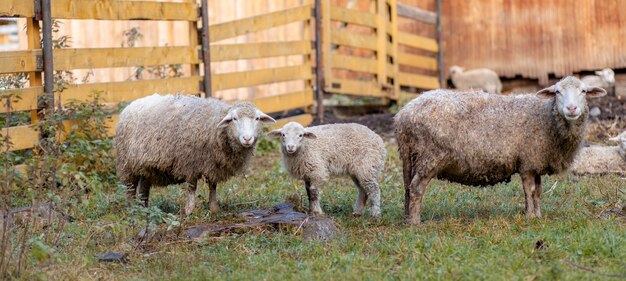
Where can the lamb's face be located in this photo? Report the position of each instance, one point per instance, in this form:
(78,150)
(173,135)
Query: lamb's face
(291,136)
(607,75)
(569,95)
(244,123)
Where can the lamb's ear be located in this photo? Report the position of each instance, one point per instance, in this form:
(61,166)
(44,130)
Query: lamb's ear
(310,135)
(226,120)
(265,118)
(595,92)
(547,93)
(274,133)
(599,72)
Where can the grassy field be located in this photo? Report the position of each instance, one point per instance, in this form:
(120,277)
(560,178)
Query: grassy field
(467,233)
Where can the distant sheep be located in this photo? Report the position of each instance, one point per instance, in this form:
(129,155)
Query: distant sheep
(164,140)
(600,160)
(315,154)
(621,140)
(604,79)
(481,139)
(482,78)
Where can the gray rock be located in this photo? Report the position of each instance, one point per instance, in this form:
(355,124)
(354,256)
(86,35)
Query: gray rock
(319,229)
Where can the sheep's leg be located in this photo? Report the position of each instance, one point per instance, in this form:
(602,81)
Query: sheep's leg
(361,199)
(528,181)
(407,174)
(415,192)
(314,198)
(372,190)
(537,196)
(131,192)
(213,205)
(144,190)
(191,198)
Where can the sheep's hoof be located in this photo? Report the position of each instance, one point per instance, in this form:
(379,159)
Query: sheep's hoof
(214,208)
(413,220)
(375,214)
(531,215)
(316,212)
(357,213)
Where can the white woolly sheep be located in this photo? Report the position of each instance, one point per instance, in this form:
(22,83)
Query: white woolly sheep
(621,140)
(173,139)
(476,138)
(315,154)
(599,160)
(474,79)
(604,79)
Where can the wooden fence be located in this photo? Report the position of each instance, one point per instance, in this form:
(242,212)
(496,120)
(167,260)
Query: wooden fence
(380,57)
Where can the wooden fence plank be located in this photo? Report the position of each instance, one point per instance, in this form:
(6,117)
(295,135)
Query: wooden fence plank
(417,41)
(304,119)
(350,39)
(354,63)
(21,137)
(17,8)
(417,61)
(115,92)
(20,61)
(259,50)
(21,99)
(283,102)
(259,77)
(418,81)
(110,123)
(353,16)
(236,28)
(356,88)
(66,59)
(123,10)
(417,14)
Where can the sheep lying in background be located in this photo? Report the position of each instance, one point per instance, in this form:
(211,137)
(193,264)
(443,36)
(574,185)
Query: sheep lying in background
(164,140)
(482,139)
(482,78)
(604,79)
(599,160)
(314,154)
(621,143)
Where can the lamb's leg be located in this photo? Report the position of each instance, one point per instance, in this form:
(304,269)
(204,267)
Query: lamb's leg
(144,190)
(528,181)
(314,198)
(537,196)
(407,174)
(213,204)
(415,192)
(361,199)
(372,189)
(131,192)
(191,198)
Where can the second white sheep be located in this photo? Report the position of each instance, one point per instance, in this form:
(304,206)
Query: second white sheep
(315,154)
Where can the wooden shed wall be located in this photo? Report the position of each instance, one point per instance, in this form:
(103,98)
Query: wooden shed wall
(535,38)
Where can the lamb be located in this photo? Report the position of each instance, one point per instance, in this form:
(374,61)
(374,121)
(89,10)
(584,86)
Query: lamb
(599,160)
(604,78)
(482,78)
(476,138)
(172,139)
(314,154)
(621,140)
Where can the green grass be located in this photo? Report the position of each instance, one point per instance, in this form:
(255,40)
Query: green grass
(467,233)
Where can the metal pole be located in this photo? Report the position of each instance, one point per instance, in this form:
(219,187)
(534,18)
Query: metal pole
(442,79)
(319,71)
(48,87)
(206,49)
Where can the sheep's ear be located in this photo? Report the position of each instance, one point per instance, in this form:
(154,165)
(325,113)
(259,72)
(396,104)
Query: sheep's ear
(595,92)
(265,118)
(599,72)
(310,135)
(227,119)
(546,93)
(274,133)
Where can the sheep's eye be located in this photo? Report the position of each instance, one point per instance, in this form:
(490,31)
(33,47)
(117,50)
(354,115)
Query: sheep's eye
(558,92)
(283,135)
(234,118)
(300,135)
(257,119)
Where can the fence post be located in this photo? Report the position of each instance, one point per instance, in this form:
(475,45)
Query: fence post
(206,49)
(440,66)
(319,66)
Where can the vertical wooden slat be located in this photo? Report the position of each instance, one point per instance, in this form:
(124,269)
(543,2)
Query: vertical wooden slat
(33,41)
(319,72)
(381,42)
(394,43)
(326,43)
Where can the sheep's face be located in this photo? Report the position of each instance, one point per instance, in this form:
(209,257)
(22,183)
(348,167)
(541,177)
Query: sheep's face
(569,95)
(456,70)
(244,123)
(621,140)
(607,75)
(291,136)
